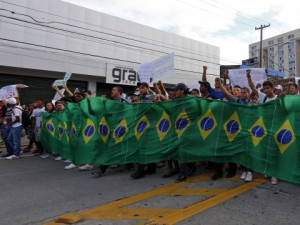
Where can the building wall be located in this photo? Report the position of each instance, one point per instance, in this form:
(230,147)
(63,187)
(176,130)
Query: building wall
(92,42)
(281,53)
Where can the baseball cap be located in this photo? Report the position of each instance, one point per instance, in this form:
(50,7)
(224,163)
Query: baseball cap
(180,86)
(279,87)
(11,101)
(205,84)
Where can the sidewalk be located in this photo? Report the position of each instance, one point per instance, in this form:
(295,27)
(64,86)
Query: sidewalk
(24,143)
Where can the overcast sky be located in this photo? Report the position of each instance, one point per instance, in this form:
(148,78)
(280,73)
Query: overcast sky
(228,24)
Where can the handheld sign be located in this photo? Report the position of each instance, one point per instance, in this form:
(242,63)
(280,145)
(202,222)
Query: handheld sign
(64,81)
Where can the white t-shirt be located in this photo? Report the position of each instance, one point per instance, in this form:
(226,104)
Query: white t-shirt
(17,111)
(262,96)
(37,113)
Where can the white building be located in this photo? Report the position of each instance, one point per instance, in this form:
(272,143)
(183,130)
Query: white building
(281,53)
(42,40)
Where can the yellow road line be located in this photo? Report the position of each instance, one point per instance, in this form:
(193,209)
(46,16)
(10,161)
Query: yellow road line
(116,210)
(204,205)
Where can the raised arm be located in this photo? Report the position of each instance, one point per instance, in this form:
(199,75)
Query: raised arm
(250,82)
(228,96)
(156,88)
(58,91)
(204,73)
(162,88)
(68,90)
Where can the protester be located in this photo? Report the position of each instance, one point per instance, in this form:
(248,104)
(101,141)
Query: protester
(14,137)
(36,125)
(293,89)
(214,92)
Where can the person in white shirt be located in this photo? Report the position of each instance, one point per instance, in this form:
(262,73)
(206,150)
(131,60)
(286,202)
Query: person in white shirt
(14,137)
(36,124)
(266,96)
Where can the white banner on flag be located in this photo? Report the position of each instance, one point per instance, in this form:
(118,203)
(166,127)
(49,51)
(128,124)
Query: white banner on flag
(10,91)
(158,69)
(239,77)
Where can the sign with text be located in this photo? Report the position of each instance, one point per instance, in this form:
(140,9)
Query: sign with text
(10,91)
(121,75)
(158,69)
(238,77)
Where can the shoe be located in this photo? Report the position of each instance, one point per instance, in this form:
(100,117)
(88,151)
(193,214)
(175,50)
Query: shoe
(244,174)
(12,157)
(98,173)
(274,180)
(69,167)
(230,174)
(249,177)
(58,158)
(138,175)
(85,167)
(180,178)
(67,161)
(216,176)
(6,155)
(45,156)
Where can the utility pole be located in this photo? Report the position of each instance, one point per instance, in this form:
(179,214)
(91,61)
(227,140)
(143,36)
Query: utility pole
(261,38)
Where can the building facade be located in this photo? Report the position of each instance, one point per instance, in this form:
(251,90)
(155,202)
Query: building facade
(280,53)
(42,40)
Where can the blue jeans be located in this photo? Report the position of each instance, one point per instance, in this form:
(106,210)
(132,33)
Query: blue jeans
(14,141)
(5,136)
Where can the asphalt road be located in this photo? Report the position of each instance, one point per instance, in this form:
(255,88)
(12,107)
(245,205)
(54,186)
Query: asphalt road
(37,191)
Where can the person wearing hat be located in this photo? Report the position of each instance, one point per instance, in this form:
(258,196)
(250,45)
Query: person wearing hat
(279,91)
(13,143)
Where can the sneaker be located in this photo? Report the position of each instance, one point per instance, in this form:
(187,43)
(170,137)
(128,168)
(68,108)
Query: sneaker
(67,161)
(180,178)
(45,156)
(12,157)
(58,158)
(244,174)
(69,167)
(86,167)
(274,180)
(249,177)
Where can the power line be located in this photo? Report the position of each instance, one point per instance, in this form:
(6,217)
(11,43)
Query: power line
(85,35)
(84,54)
(53,22)
(101,42)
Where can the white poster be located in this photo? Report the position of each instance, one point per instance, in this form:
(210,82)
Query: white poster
(194,86)
(145,72)
(121,75)
(10,91)
(57,96)
(163,67)
(62,82)
(239,77)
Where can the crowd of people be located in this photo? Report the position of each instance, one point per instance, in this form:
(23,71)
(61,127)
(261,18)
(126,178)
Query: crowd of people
(17,118)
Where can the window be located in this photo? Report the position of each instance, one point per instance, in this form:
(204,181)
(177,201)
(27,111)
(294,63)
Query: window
(271,42)
(280,39)
(253,47)
(290,36)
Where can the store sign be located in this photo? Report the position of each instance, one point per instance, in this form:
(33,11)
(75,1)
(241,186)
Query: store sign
(121,75)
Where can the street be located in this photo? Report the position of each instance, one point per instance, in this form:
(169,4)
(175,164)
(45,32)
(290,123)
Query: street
(40,191)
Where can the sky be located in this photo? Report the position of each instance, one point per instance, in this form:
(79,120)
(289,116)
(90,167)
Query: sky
(228,24)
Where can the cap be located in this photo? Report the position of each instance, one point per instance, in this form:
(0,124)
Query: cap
(180,86)
(11,101)
(205,83)
(279,87)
